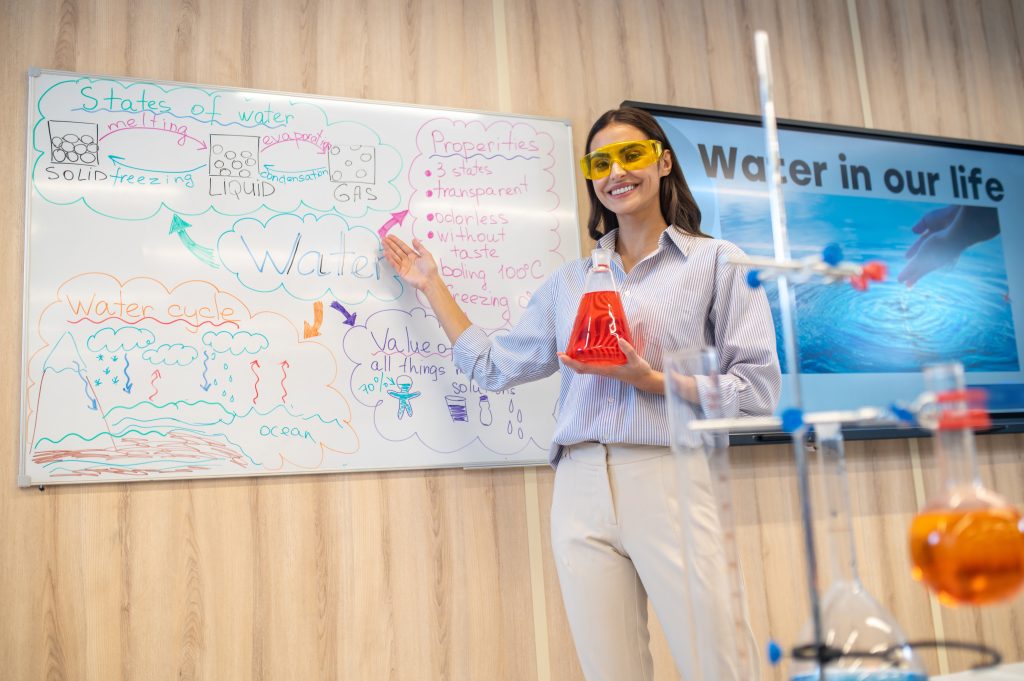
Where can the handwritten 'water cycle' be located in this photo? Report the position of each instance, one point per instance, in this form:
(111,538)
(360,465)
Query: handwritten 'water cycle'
(156,366)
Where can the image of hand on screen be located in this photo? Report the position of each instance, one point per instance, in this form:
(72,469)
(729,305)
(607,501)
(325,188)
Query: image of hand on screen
(666,286)
(944,233)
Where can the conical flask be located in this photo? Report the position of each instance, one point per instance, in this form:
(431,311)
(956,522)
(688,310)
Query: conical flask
(852,621)
(724,648)
(600,320)
(967,544)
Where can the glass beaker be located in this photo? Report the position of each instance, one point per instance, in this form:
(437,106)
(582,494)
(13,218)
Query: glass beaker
(967,544)
(724,645)
(600,319)
(852,621)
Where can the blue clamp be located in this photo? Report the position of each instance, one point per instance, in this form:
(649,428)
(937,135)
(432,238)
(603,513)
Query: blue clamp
(754,278)
(792,419)
(774,653)
(902,414)
(832,255)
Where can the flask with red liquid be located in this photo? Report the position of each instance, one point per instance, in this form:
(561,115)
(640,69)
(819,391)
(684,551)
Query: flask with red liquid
(967,544)
(600,320)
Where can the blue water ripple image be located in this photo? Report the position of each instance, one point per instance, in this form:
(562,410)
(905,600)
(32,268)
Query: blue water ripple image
(961,312)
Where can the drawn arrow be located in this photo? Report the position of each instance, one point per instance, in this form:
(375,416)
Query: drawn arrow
(396,219)
(128,385)
(312,330)
(92,400)
(179,227)
(271,168)
(206,361)
(350,319)
(288,141)
(152,384)
(119,161)
(284,375)
(176,133)
(254,365)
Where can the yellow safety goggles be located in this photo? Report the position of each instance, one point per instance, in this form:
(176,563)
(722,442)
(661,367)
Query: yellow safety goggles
(629,155)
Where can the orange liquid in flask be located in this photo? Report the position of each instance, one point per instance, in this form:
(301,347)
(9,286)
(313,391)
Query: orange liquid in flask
(600,322)
(969,556)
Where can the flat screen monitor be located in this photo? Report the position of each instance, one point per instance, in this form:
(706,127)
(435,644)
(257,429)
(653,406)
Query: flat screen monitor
(945,216)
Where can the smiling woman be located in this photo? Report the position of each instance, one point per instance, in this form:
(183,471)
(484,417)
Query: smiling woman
(612,429)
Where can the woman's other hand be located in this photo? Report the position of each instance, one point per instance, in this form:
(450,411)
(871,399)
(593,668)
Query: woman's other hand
(414,264)
(636,371)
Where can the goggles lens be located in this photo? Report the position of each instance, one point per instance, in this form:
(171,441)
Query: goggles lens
(629,155)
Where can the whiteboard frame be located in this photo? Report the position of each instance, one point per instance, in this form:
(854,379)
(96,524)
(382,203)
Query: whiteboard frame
(24,480)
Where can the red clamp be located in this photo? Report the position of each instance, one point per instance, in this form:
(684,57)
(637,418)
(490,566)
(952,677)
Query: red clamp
(974,416)
(870,271)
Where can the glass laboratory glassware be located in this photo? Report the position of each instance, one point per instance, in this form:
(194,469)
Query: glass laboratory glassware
(852,621)
(967,544)
(600,319)
(725,649)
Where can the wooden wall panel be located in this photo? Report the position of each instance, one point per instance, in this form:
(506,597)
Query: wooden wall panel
(945,68)
(428,574)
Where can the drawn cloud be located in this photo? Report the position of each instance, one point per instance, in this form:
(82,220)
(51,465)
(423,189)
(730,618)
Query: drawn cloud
(236,342)
(120,340)
(173,354)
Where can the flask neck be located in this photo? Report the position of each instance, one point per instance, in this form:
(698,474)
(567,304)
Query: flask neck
(957,458)
(832,461)
(600,276)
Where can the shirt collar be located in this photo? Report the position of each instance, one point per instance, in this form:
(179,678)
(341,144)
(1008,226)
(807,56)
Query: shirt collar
(683,241)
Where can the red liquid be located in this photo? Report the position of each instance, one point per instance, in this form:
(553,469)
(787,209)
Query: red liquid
(600,322)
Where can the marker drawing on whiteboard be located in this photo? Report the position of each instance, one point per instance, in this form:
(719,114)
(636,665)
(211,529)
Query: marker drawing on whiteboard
(254,365)
(486,417)
(155,123)
(404,395)
(155,375)
(85,381)
(284,375)
(179,227)
(456,408)
(313,330)
(205,385)
(118,162)
(350,319)
(396,220)
(128,385)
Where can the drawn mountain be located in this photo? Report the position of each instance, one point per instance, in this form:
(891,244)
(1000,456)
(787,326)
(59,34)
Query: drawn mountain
(67,415)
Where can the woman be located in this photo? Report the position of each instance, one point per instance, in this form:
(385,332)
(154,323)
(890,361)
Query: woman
(615,511)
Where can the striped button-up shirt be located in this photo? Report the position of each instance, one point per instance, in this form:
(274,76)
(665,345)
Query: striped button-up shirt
(683,295)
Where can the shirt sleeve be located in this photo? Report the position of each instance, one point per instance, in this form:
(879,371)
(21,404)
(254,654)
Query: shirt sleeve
(526,352)
(750,380)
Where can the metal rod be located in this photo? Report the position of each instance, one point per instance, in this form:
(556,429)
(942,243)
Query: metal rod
(787,307)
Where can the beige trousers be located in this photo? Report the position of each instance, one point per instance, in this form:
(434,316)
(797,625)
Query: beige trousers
(618,534)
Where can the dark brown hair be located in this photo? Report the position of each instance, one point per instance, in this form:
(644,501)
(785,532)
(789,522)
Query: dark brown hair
(677,204)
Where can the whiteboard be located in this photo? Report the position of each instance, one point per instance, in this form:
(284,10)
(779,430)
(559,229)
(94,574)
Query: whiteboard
(206,293)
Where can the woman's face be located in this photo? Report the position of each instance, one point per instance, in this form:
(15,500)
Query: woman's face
(629,192)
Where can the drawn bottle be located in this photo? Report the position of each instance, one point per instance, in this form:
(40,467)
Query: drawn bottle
(486,417)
